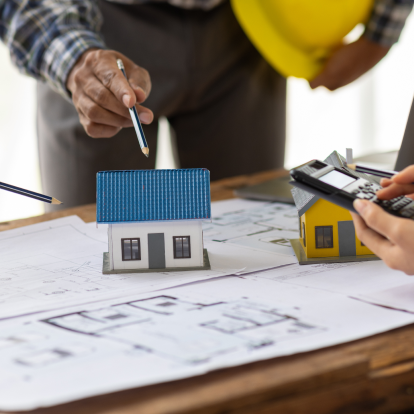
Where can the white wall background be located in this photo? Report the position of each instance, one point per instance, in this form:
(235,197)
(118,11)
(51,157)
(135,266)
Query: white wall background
(369,116)
(18,147)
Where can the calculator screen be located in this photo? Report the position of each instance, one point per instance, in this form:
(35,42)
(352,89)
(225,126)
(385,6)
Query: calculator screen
(337,179)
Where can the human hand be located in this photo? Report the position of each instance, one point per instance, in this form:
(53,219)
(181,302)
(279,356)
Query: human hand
(102,95)
(389,237)
(399,184)
(348,63)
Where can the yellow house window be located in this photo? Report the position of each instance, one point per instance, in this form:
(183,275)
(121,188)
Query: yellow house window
(323,237)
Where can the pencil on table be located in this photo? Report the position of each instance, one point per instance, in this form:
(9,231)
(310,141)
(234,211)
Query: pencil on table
(28,193)
(371,171)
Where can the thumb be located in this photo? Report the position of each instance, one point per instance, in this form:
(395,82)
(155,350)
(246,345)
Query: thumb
(317,81)
(378,219)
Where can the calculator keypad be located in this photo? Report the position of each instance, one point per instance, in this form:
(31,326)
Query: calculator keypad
(400,206)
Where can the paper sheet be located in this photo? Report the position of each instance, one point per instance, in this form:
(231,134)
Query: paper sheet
(259,226)
(138,340)
(362,280)
(59,263)
(98,334)
(399,297)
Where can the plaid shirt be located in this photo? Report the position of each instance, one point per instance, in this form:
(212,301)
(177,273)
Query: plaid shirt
(46,37)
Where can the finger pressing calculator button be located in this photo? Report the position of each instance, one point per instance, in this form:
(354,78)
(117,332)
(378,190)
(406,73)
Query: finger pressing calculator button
(406,213)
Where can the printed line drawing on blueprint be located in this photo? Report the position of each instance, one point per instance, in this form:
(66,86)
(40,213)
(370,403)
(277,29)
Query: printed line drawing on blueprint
(293,271)
(178,333)
(59,263)
(146,340)
(266,226)
(157,325)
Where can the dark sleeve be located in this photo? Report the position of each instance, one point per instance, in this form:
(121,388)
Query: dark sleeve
(387,21)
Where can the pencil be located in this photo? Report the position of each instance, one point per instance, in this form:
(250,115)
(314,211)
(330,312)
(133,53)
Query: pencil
(372,171)
(135,119)
(28,193)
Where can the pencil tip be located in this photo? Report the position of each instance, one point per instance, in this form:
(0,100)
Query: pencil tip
(55,201)
(145,151)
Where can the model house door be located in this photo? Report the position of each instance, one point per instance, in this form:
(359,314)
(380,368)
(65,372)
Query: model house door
(346,236)
(156,251)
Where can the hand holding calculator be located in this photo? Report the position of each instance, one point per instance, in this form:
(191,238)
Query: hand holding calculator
(341,187)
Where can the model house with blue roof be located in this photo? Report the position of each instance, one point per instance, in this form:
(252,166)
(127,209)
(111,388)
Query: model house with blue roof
(154,219)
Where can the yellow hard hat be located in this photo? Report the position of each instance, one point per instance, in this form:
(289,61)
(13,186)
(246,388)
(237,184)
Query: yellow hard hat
(296,36)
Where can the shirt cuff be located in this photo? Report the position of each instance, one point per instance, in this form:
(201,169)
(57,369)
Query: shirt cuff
(62,54)
(387,21)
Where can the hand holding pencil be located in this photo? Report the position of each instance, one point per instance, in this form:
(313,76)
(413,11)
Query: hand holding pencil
(102,95)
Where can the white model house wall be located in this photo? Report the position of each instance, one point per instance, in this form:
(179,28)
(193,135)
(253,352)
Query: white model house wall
(192,228)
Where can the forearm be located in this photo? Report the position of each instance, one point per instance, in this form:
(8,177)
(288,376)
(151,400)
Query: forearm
(47,37)
(387,21)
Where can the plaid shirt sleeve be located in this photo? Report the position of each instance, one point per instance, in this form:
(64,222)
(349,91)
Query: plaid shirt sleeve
(46,37)
(387,21)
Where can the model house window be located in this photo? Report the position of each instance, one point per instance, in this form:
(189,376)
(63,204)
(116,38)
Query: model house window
(324,237)
(131,249)
(304,234)
(182,247)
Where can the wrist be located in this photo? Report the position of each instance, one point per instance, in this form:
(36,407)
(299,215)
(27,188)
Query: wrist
(376,49)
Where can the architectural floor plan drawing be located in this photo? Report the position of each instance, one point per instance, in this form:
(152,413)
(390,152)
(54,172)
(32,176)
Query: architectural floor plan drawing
(187,332)
(59,263)
(81,351)
(69,332)
(267,227)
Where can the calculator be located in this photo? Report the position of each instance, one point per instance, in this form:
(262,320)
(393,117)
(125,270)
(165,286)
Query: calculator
(341,187)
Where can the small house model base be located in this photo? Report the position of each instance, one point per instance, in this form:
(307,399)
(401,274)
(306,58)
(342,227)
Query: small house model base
(106,268)
(305,260)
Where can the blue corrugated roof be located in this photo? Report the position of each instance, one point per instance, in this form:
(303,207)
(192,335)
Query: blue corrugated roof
(146,195)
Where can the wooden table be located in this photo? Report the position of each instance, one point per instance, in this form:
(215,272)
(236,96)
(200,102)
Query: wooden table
(372,375)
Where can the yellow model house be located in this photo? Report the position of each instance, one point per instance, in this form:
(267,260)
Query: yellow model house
(327,232)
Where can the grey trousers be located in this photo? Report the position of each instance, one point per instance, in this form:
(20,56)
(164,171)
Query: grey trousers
(224,101)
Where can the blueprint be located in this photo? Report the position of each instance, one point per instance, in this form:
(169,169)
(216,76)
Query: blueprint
(59,263)
(358,280)
(69,332)
(398,297)
(63,355)
(256,225)
(268,223)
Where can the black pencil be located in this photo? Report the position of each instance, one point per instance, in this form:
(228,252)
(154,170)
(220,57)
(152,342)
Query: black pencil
(135,118)
(372,171)
(28,193)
